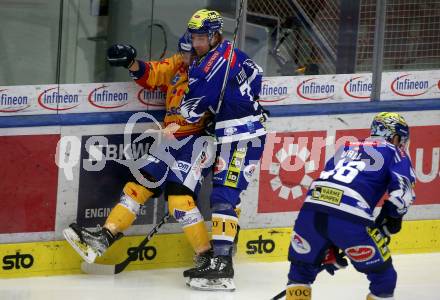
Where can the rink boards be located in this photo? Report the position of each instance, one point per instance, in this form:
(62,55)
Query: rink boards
(36,248)
(62,168)
(172,250)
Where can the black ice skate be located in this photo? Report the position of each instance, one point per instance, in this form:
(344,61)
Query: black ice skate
(88,244)
(202,260)
(217,275)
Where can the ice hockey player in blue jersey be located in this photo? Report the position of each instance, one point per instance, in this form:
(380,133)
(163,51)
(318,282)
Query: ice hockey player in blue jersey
(338,209)
(239,132)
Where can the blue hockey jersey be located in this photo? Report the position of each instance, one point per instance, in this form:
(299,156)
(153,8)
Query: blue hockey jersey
(240,116)
(357,177)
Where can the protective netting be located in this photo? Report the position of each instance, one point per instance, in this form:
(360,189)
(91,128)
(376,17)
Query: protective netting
(308,33)
(309,28)
(412,35)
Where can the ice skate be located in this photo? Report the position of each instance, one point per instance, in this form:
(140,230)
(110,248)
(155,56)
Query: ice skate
(217,275)
(200,260)
(89,245)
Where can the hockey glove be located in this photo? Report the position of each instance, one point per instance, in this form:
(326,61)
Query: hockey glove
(210,125)
(334,260)
(264,112)
(388,225)
(120,55)
(210,128)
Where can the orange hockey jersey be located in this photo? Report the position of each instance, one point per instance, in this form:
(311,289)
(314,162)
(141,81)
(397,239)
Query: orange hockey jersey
(171,76)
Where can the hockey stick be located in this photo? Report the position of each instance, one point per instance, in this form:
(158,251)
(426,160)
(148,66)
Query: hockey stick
(100,269)
(279,295)
(231,54)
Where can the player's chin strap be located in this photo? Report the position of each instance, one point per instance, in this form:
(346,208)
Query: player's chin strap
(231,53)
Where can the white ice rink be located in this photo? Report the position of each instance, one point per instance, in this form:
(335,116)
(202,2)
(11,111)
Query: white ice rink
(418,279)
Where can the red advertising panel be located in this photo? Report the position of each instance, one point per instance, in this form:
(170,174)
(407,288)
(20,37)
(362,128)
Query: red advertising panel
(28,183)
(293,159)
(425,156)
(290,162)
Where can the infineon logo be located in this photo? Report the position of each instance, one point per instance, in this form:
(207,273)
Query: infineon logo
(151,98)
(311,89)
(271,92)
(101,97)
(407,86)
(57,99)
(358,87)
(10,103)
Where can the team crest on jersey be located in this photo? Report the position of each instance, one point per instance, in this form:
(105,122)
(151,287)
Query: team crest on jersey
(299,244)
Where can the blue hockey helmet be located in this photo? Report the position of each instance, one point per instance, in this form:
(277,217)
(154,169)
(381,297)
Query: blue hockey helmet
(389,124)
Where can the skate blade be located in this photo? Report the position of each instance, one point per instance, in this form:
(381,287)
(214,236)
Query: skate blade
(203,284)
(84,250)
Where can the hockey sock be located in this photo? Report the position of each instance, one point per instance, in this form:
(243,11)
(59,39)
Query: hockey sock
(298,291)
(224,230)
(188,215)
(124,213)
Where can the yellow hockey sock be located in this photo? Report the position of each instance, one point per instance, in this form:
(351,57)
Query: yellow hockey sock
(119,219)
(298,292)
(185,211)
(124,213)
(224,227)
(137,192)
